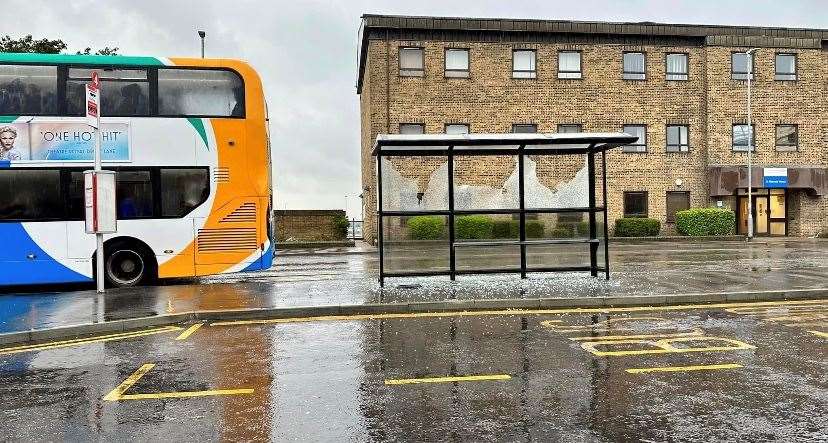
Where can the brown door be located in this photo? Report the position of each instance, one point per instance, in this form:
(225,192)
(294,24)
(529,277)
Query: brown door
(743,216)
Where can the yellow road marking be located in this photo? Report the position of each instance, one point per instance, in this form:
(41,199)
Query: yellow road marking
(87,340)
(684,368)
(115,394)
(696,333)
(665,346)
(500,312)
(119,393)
(186,334)
(409,381)
(820,333)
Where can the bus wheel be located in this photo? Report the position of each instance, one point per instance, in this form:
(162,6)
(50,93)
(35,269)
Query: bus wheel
(126,265)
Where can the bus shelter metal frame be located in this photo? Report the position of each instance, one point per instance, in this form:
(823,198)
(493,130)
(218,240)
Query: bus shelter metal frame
(520,145)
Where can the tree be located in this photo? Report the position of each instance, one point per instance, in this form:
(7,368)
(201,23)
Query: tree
(45,46)
(105,51)
(29,44)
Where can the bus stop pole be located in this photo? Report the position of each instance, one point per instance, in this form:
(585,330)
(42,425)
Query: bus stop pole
(99,243)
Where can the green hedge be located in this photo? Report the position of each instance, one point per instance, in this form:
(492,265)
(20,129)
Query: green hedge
(426,227)
(506,229)
(705,221)
(534,229)
(341,225)
(473,227)
(637,227)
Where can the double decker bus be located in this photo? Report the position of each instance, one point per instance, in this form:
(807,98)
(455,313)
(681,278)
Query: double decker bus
(188,140)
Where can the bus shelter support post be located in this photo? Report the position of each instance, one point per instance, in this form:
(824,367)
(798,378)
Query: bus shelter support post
(522,205)
(593,231)
(452,254)
(606,215)
(380,231)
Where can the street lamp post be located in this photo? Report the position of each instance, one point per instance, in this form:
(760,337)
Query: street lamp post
(202,34)
(749,54)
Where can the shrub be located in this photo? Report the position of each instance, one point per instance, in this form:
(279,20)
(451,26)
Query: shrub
(426,227)
(534,229)
(637,227)
(473,227)
(563,231)
(583,228)
(505,229)
(341,225)
(705,221)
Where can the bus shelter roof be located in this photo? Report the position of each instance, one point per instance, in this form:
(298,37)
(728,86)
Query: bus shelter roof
(498,144)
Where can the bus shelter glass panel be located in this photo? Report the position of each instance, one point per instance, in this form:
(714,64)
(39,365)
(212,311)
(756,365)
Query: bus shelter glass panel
(415,243)
(482,241)
(559,181)
(486,182)
(414,183)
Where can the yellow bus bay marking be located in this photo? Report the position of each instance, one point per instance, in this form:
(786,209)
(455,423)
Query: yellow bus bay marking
(665,346)
(409,381)
(819,334)
(119,393)
(503,312)
(87,340)
(187,333)
(684,368)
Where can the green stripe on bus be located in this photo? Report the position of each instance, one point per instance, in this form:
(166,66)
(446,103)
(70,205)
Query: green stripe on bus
(110,60)
(7,118)
(198,124)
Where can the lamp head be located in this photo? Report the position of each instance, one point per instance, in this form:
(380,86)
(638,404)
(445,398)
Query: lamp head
(202,34)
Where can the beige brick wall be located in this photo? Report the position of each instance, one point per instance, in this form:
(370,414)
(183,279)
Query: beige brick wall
(709,102)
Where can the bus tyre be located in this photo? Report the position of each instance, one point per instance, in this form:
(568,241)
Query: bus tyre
(127,265)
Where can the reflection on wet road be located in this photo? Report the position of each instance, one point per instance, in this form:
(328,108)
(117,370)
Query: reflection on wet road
(750,372)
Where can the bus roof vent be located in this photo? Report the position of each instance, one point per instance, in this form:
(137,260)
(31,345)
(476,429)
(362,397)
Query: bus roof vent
(246,213)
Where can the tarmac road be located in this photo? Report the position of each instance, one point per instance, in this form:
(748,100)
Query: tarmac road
(749,372)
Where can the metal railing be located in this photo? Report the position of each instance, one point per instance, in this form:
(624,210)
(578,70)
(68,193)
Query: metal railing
(355,229)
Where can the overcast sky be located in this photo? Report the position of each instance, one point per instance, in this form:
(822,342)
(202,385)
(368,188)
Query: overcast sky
(305,51)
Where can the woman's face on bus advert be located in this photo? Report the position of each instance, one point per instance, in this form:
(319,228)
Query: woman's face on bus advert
(7,140)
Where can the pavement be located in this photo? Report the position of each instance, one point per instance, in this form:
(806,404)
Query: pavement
(340,281)
(695,373)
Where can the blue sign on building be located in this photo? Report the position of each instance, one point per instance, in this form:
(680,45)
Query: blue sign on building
(775,177)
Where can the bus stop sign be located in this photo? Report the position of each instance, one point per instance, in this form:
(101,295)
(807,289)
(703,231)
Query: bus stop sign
(93,101)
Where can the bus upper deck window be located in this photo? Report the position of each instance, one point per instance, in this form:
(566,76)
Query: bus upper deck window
(28,90)
(200,92)
(124,92)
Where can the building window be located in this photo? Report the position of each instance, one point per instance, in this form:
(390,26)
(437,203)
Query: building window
(785,67)
(787,137)
(740,138)
(635,204)
(639,131)
(569,129)
(741,65)
(569,64)
(676,201)
(457,128)
(678,139)
(411,62)
(524,63)
(457,63)
(677,67)
(635,66)
(412,128)
(523,128)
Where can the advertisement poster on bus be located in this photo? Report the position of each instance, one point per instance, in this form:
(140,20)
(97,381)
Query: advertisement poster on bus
(75,141)
(14,141)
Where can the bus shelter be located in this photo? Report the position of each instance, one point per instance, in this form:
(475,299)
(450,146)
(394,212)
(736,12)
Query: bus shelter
(492,203)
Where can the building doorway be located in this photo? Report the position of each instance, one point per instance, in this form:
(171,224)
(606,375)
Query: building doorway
(770,212)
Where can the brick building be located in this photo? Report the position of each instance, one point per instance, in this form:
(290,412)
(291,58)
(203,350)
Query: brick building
(681,88)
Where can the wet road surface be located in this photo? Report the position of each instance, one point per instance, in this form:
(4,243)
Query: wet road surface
(644,268)
(749,372)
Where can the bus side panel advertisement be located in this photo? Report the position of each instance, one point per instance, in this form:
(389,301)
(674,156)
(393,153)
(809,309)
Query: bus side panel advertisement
(64,141)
